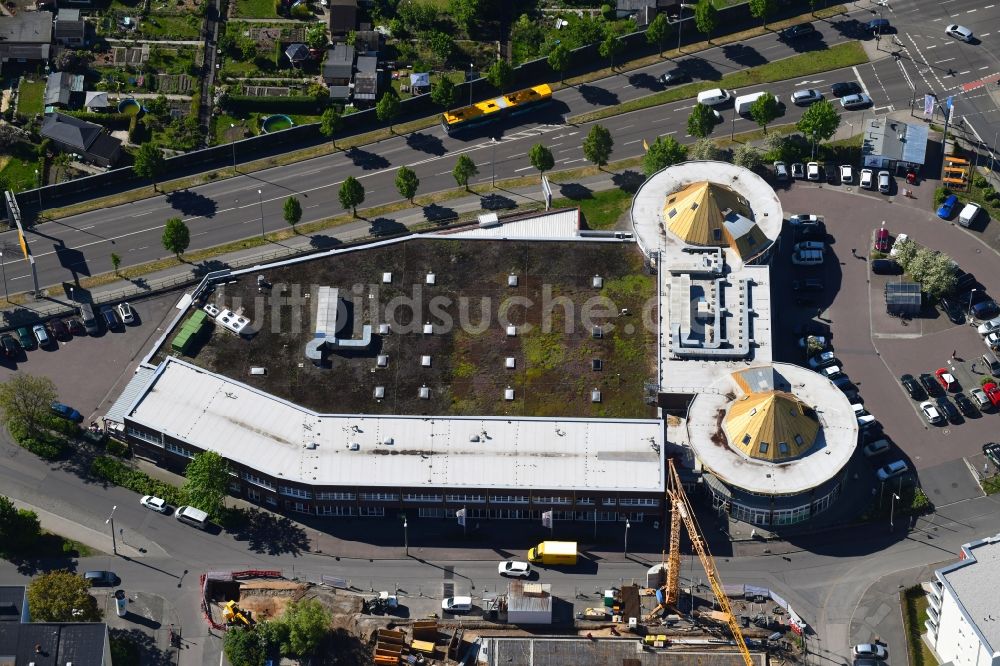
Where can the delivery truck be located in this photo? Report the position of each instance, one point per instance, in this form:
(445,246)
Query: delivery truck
(743,102)
(553,552)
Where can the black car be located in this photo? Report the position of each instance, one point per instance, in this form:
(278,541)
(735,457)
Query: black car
(983,307)
(75,326)
(944,404)
(965,405)
(886,267)
(831,171)
(930,384)
(60,331)
(965,282)
(845,89)
(674,76)
(810,229)
(954,310)
(110,318)
(10,347)
(102,578)
(796,31)
(811,284)
(879,26)
(912,387)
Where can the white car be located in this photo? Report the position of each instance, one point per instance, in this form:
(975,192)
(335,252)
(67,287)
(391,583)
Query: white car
(157,504)
(992,340)
(959,32)
(808,258)
(812,171)
(870,650)
(126,313)
(456,604)
(823,359)
(899,239)
(809,245)
(803,218)
(514,569)
(884,182)
(867,179)
(990,326)
(846,174)
(931,413)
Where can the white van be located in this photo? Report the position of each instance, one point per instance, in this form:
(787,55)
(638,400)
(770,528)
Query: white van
(968,214)
(192,516)
(743,102)
(714,97)
(992,362)
(456,604)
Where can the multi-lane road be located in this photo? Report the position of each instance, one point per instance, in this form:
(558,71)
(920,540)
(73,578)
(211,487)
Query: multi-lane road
(240,207)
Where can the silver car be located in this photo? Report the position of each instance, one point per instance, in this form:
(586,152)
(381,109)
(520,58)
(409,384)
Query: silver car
(959,32)
(806,96)
(855,101)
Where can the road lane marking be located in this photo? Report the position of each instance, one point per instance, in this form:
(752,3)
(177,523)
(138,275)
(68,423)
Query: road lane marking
(141,214)
(938,62)
(628,143)
(857,75)
(579,159)
(523,169)
(985,34)
(965,72)
(969,11)
(624,127)
(932,46)
(984,67)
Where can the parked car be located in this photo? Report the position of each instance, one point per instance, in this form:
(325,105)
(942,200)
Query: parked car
(126,313)
(75,326)
(846,174)
(980,398)
(895,244)
(930,385)
(867,179)
(66,412)
(986,308)
(945,379)
(59,330)
(959,32)
(456,604)
(856,101)
(989,326)
(954,310)
(809,230)
(965,405)
(110,318)
(798,170)
(931,413)
(806,96)
(876,448)
(26,339)
(884,182)
(157,504)
(804,218)
(840,90)
(992,392)
(11,349)
(102,578)
(879,26)
(807,258)
(870,650)
(831,172)
(882,239)
(812,171)
(810,284)
(992,340)
(822,360)
(912,387)
(947,207)
(41,335)
(514,569)
(964,282)
(796,31)
(886,267)
(892,470)
(809,245)
(674,76)
(948,409)
(780,172)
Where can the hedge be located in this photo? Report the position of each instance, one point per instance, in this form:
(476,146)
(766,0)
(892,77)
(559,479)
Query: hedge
(47,444)
(115,471)
(303,106)
(118,121)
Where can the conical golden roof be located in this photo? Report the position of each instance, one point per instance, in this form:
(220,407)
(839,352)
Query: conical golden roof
(696,213)
(771,425)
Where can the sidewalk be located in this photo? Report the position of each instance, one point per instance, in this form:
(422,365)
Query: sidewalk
(100,541)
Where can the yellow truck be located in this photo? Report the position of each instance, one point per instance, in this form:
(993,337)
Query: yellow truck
(553,552)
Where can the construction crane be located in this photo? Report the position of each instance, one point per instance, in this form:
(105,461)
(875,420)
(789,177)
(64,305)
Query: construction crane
(680,510)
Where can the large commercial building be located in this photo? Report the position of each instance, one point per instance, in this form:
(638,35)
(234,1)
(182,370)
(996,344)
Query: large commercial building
(963,620)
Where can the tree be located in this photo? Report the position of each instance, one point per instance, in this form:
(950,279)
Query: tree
(25,400)
(940,278)
(442,45)
(74,61)
(610,47)
(158,106)
(761,9)
(116,261)
(243,647)
(541,158)
(662,153)
(8,137)
(292,211)
(330,123)
(748,157)
(387,108)
(464,169)
(704,149)
(559,59)
(819,122)
(61,596)
(657,31)
(598,145)
(207,478)
(443,92)
(176,236)
(407,183)
(248,49)
(701,122)
(500,75)
(464,13)
(19,529)
(706,18)
(316,36)
(905,251)
(764,110)
(308,623)
(149,162)
(352,194)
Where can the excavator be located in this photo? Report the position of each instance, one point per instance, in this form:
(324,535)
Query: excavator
(233,614)
(681,511)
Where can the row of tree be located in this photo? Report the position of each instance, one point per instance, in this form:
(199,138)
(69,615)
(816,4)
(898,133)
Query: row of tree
(819,122)
(299,632)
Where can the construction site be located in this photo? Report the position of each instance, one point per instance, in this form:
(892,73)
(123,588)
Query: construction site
(642,622)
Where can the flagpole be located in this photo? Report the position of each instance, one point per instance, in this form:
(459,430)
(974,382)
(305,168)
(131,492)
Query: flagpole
(465,521)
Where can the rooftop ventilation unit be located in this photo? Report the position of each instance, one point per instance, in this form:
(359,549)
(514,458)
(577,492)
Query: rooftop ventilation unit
(473,438)
(258,371)
(595,396)
(354,446)
(383,329)
(596,364)
(428,329)
(379,392)
(386,278)
(311,445)
(431,278)
(382,361)
(511,331)
(508,393)
(511,280)
(598,332)
(425,361)
(388,441)
(488,220)
(597,282)
(424,393)
(511,363)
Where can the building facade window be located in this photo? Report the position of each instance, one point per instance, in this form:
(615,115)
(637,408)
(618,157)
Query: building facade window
(179,450)
(609,501)
(585,501)
(300,507)
(420,497)
(327,510)
(253,495)
(466,499)
(377,497)
(426,512)
(639,501)
(326,495)
(144,436)
(372,511)
(235,487)
(508,499)
(552,500)
(257,480)
(292,491)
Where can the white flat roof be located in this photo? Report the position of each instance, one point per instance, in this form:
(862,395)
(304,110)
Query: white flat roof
(972,580)
(271,435)
(556,225)
(835,443)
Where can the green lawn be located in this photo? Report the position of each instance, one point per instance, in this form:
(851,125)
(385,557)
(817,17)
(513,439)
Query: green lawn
(171,27)
(914,603)
(602,209)
(255,9)
(31,97)
(840,55)
(991,486)
(18,168)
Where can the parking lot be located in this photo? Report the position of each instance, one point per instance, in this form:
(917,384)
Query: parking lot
(89,371)
(875,349)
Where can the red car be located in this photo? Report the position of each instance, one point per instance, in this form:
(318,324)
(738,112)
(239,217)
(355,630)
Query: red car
(992,392)
(945,379)
(882,243)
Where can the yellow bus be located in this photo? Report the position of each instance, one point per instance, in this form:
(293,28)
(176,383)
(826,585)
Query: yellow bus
(491,110)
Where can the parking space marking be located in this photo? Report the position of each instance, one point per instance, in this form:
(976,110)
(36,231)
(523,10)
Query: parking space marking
(938,62)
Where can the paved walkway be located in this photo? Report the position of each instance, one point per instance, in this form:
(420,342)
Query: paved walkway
(156,42)
(70,529)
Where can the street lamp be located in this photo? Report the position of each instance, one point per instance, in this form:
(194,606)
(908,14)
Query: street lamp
(892,511)
(71,297)
(627,525)
(680,21)
(233,126)
(111,519)
(471,65)
(260,200)
(2,268)
(969,309)
(493,163)
(406,538)
(38,183)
